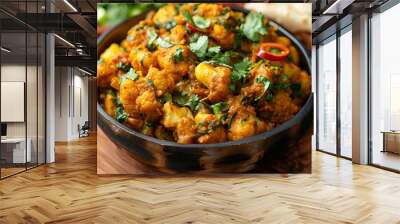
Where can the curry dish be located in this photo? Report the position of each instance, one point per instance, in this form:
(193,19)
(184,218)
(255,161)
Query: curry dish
(202,73)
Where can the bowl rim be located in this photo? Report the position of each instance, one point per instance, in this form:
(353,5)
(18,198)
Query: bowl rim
(307,106)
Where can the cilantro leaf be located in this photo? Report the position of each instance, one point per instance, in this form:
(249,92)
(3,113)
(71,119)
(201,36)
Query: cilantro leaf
(201,22)
(200,47)
(178,55)
(238,39)
(268,97)
(123,67)
(155,39)
(296,88)
(120,114)
(132,75)
(167,97)
(193,101)
(150,82)
(241,70)
(265,82)
(167,25)
(164,43)
(220,107)
(224,58)
(151,33)
(214,50)
(254,27)
(188,17)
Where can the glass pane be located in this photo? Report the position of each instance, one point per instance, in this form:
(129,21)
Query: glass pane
(41,99)
(327,96)
(13,86)
(385,83)
(31,97)
(314,86)
(346,94)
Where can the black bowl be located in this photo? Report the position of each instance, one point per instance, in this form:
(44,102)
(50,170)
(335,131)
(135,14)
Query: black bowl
(228,157)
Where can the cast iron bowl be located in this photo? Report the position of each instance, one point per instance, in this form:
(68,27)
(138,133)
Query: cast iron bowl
(227,157)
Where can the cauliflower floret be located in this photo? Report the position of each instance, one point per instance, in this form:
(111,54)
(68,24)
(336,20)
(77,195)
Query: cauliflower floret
(282,107)
(180,120)
(209,10)
(164,14)
(222,36)
(216,78)
(167,60)
(141,59)
(128,92)
(137,38)
(163,81)
(185,131)
(149,106)
(209,127)
(178,35)
(245,125)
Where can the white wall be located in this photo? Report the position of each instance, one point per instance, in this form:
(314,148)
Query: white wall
(71,103)
(12,73)
(33,127)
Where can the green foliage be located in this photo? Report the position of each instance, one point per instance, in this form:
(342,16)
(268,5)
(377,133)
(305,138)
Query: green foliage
(178,55)
(254,27)
(182,99)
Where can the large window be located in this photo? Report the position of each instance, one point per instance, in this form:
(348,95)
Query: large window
(385,89)
(346,93)
(327,96)
(22,101)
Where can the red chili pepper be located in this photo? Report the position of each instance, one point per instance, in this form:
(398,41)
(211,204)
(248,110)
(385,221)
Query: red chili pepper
(273,51)
(191,27)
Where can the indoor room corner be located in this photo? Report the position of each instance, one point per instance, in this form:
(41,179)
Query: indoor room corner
(48,81)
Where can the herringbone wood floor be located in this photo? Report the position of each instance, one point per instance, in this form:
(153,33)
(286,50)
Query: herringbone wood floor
(69,191)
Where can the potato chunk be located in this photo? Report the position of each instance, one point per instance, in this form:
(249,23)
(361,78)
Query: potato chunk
(111,53)
(105,73)
(173,114)
(106,68)
(216,78)
(109,103)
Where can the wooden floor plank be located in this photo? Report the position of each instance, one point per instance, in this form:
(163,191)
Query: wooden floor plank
(70,191)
